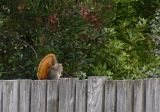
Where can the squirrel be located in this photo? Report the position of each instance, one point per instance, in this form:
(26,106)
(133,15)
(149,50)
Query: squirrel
(49,68)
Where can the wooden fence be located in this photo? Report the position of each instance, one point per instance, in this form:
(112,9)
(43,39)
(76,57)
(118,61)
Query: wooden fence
(97,94)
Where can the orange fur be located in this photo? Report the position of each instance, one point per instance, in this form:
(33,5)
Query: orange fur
(44,66)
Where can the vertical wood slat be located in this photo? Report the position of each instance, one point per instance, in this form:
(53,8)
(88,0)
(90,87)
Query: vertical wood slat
(52,96)
(1,97)
(95,100)
(153,95)
(71,95)
(10,96)
(150,95)
(124,96)
(139,96)
(157,96)
(38,96)
(24,95)
(81,96)
(110,96)
(67,95)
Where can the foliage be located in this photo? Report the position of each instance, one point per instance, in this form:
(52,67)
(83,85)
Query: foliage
(80,75)
(113,38)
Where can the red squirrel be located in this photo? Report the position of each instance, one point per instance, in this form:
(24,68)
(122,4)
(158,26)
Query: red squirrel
(49,68)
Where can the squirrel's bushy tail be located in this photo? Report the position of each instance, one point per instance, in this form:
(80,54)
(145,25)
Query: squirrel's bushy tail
(45,64)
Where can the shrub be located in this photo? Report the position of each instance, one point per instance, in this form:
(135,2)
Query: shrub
(88,37)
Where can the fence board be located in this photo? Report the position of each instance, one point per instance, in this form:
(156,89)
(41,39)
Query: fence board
(1,97)
(110,96)
(139,96)
(124,96)
(67,95)
(10,96)
(153,95)
(95,94)
(38,96)
(81,96)
(150,95)
(24,95)
(52,96)
(71,95)
(157,96)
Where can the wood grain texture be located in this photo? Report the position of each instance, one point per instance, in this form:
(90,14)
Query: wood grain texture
(157,96)
(153,95)
(139,96)
(110,96)
(52,96)
(81,96)
(38,96)
(10,95)
(95,100)
(150,95)
(72,95)
(67,95)
(1,95)
(24,95)
(124,96)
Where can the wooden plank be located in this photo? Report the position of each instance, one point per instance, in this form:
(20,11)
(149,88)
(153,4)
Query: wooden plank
(1,97)
(153,95)
(124,96)
(139,96)
(38,96)
(110,96)
(10,95)
(24,95)
(95,94)
(150,95)
(52,96)
(67,95)
(81,96)
(157,96)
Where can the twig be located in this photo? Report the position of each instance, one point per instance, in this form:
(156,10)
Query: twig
(29,46)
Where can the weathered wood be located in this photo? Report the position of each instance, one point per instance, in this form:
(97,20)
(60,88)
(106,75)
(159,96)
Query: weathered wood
(110,96)
(81,96)
(153,95)
(139,96)
(157,96)
(150,95)
(24,95)
(124,96)
(95,94)
(71,95)
(38,96)
(1,97)
(10,95)
(52,96)
(67,95)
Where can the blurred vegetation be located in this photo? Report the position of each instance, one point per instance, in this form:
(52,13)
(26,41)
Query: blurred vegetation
(119,39)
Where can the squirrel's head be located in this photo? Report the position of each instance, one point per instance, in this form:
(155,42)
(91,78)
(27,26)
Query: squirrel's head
(58,67)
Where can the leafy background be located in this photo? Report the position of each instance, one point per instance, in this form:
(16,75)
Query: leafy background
(119,39)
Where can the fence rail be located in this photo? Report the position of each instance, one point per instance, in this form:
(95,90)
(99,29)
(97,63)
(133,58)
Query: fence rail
(97,94)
